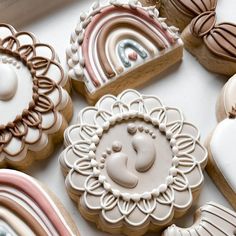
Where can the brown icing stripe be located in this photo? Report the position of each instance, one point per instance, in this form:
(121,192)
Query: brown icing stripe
(23,215)
(222,41)
(122,23)
(203,24)
(193,8)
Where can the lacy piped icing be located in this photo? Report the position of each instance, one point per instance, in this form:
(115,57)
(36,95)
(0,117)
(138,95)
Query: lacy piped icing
(26,209)
(120,146)
(193,8)
(112,38)
(31,95)
(220,39)
(211,219)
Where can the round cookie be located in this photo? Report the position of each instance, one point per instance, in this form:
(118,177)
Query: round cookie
(211,219)
(181,12)
(227,99)
(34,105)
(132,164)
(221,157)
(27,208)
(118,45)
(213,44)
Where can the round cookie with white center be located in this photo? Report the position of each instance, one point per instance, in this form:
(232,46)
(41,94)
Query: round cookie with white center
(132,164)
(28,208)
(211,219)
(181,12)
(212,43)
(221,166)
(34,105)
(120,44)
(227,99)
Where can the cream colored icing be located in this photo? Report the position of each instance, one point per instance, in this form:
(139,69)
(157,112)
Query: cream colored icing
(120,146)
(78,70)
(30,68)
(229,95)
(211,220)
(222,149)
(8,82)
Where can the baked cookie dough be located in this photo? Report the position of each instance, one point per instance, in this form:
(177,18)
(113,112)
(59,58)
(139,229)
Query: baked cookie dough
(34,105)
(132,164)
(118,45)
(213,44)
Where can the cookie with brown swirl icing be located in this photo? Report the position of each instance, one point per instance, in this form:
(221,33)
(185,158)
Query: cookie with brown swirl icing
(181,12)
(34,105)
(214,44)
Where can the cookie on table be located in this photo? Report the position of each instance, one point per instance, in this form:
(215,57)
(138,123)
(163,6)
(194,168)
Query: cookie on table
(211,219)
(34,105)
(181,12)
(227,99)
(118,45)
(213,44)
(132,164)
(221,164)
(28,208)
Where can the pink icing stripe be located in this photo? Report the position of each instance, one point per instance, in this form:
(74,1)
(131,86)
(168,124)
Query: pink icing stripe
(12,178)
(112,9)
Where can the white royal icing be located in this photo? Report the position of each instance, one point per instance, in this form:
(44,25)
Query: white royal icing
(222,147)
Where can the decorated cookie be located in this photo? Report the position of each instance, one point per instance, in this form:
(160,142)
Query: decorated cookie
(211,219)
(34,107)
(26,208)
(212,43)
(181,12)
(132,164)
(227,99)
(120,45)
(221,166)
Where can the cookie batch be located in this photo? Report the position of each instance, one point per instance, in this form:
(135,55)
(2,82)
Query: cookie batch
(131,163)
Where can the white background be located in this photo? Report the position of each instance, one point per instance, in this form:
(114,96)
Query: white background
(187,86)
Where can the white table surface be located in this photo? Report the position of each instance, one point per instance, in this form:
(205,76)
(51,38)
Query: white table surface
(187,86)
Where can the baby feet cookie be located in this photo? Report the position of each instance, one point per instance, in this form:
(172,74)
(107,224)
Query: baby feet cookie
(120,45)
(211,219)
(212,43)
(132,164)
(26,208)
(221,166)
(34,107)
(227,99)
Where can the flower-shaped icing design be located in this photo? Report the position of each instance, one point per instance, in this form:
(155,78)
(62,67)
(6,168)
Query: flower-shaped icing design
(131,159)
(31,94)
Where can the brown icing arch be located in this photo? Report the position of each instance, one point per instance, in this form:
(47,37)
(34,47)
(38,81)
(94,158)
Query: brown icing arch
(117,23)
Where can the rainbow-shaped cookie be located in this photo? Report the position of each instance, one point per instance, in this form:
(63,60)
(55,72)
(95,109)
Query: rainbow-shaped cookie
(120,45)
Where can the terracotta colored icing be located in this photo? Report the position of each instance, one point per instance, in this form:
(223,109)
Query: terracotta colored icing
(220,39)
(193,8)
(30,68)
(26,203)
(89,58)
(120,146)
(213,219)
(222,146)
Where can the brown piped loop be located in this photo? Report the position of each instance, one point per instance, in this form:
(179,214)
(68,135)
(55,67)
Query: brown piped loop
(194,7)
(203,24)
